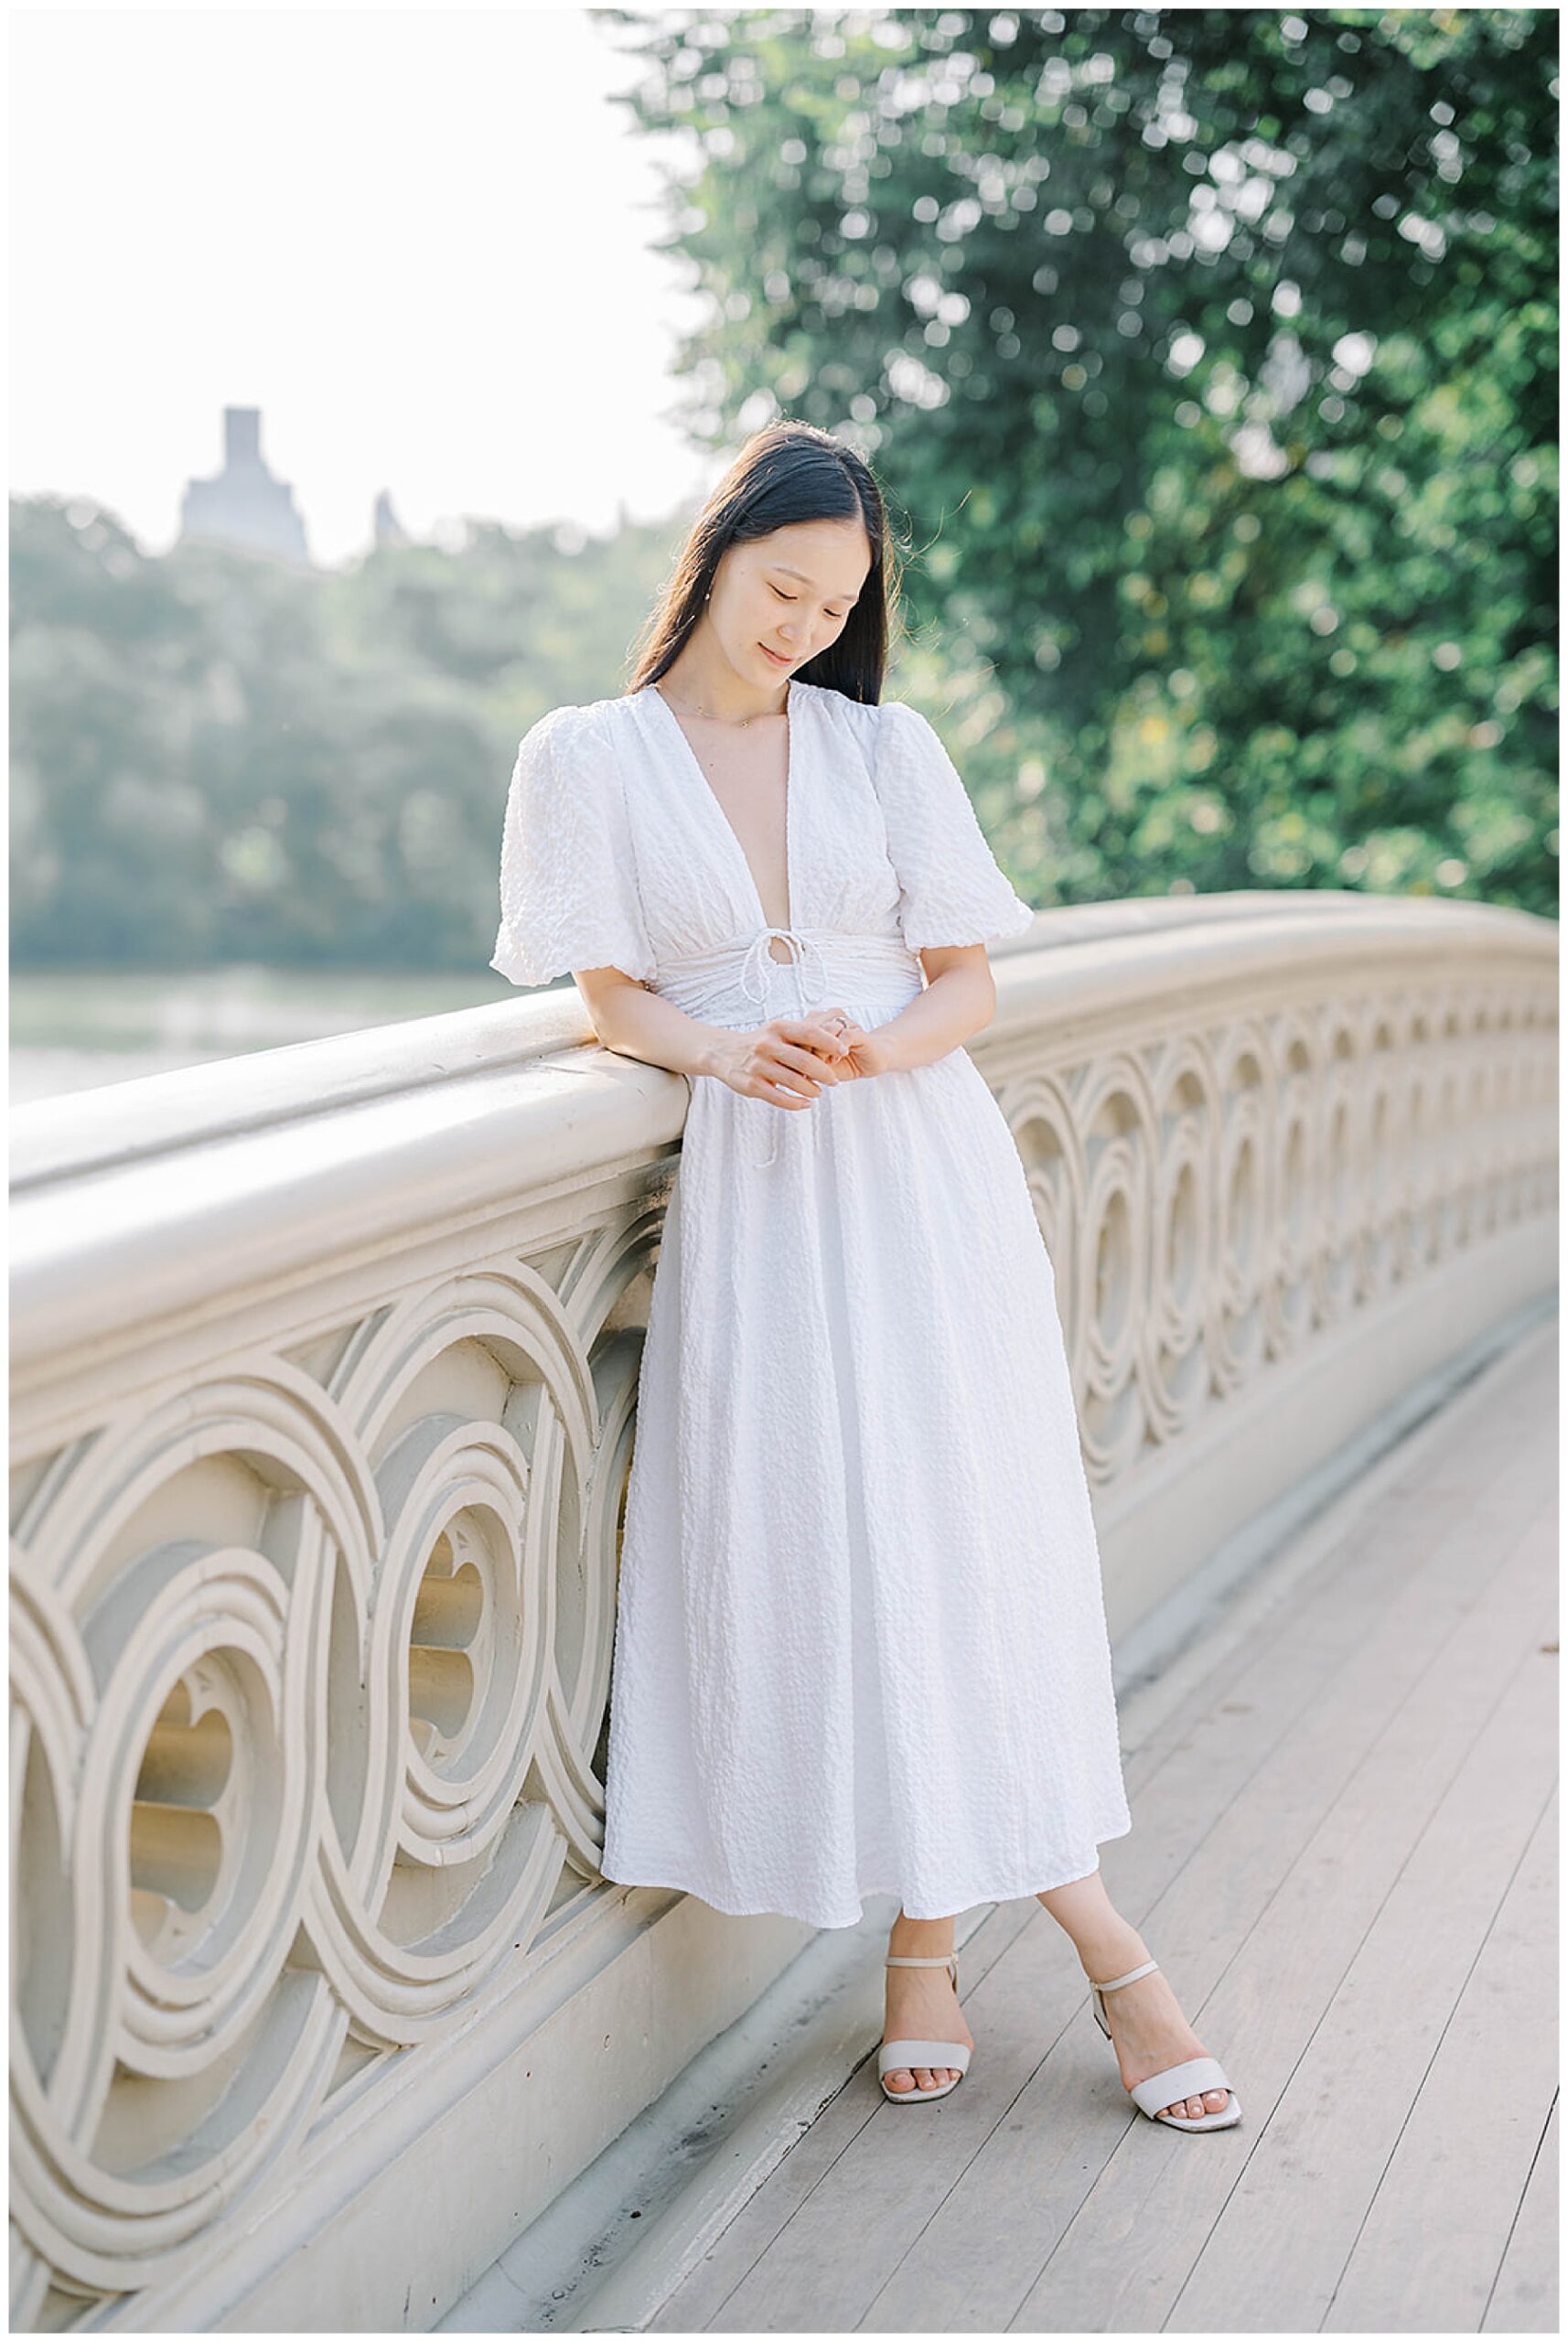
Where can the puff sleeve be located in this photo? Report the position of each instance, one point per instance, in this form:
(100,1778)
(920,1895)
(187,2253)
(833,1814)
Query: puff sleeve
(951,889)
(568,877)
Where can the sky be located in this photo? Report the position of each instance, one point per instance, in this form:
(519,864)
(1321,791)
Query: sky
(417,238)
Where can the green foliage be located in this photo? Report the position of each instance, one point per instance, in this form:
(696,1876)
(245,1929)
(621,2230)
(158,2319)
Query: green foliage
(1212,355)
(218,758)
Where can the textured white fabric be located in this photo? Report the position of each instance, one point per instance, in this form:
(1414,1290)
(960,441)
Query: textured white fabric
(860,1643)
(568,878)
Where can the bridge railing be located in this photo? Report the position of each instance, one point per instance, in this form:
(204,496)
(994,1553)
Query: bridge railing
(324,1378)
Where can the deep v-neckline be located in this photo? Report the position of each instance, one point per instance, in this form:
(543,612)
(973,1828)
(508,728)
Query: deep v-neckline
(726,825)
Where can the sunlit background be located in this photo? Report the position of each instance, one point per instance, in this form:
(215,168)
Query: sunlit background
(367,363)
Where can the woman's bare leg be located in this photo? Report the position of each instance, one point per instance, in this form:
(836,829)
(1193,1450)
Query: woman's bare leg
(920,2003)
(1150,2031)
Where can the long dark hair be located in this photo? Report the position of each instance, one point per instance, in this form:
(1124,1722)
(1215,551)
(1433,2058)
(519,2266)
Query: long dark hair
(785,472)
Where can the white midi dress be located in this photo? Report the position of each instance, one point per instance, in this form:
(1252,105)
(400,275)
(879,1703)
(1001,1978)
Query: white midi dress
(860,1643)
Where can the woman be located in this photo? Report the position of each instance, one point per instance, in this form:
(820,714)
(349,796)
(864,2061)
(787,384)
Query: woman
(860,1643)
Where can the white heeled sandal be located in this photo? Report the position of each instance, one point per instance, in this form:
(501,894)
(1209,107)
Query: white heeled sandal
(910,2053)
(1189,2079)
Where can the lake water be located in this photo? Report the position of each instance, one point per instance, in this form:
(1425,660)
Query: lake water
(81,1029)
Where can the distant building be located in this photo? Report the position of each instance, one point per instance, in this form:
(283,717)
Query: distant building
(244,506)
(386,528)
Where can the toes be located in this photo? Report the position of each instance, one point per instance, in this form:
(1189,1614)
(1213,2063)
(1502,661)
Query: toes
(1215,2100)
(907,2079)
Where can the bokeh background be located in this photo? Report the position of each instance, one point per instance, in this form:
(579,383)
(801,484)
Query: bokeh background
(1208,358)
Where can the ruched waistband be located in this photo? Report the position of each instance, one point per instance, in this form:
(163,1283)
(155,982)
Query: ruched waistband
(740,975)
(821,962)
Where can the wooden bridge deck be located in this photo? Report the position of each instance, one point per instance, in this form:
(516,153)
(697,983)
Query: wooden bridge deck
(1343,1853)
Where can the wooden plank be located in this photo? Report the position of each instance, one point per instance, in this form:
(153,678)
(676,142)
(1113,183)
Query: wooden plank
(846,2237)
(852,2248)
(1525,2299)
(1279,2246)
(1425,1467)
(700,2300)
(1235,1718)
(1500,1476)
(1457,2176)
(1109,2252)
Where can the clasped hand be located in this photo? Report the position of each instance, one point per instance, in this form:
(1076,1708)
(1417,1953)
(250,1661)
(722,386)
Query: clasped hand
(791,1060)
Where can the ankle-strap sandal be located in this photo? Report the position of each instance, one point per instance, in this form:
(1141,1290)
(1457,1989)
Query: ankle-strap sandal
(910,2053)
(1189,2079)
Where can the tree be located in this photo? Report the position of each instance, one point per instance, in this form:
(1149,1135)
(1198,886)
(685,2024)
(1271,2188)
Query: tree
(1212,354)
(219,758)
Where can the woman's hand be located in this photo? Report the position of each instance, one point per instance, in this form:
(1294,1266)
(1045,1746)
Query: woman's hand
(861,1053)
(788,1060)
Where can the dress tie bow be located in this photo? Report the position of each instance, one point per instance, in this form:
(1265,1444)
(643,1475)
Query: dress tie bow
(756,979)
(754,968)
